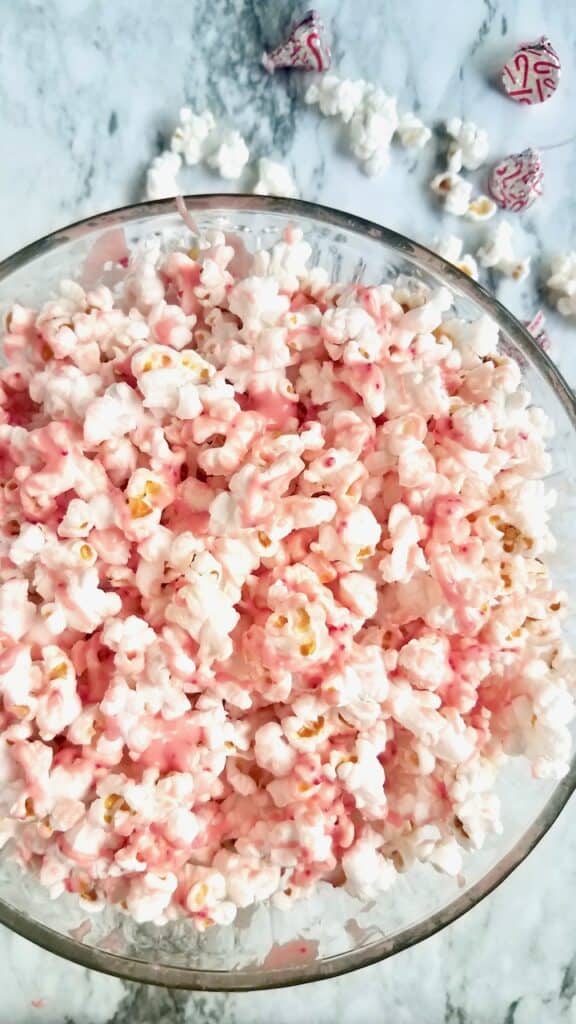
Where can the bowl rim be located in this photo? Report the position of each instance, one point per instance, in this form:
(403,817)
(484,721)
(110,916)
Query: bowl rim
(132,968)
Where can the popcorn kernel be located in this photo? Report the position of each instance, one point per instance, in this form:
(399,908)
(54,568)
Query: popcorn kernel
(307,649)
(139,508)
(308,731)
(59,671)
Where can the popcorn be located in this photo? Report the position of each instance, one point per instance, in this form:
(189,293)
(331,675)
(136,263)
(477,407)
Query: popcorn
(205,900)
(336,97)
(425,662)
(367,872)
(204,610)
(192,138)
(450,249)
(16,611)
(272,751)
(498,254)
(468,147)
(288,265)
(149,895)
(412,132)
(67,396)
(78,520)
(247,881)
(162,175)
(562,283)
(58,702)
(363,777)
(369,114)
(274,179)
(144,287)
(117,412)
(482,208)
(455,192)
(351,538)
(28,545)
(169,380)
(273,608)
(229,156)
(406,557)
(371,129)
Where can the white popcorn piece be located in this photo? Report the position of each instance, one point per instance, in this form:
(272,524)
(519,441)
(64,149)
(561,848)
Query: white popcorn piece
(372,127)
(192,138)
(369,113)
(468,147)
(450,248)
(229,155)
(274,179)
(498,254)
(561,283)
(412,131)
(454,191)
(336,97)
(481,208)
(162,175)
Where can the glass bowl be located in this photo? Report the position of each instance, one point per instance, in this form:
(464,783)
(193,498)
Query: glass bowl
(333,932)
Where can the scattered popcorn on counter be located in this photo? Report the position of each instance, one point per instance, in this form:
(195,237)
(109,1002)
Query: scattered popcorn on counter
(454,191)
(482,208)
(229,155)
(274,179)
(162,176)
(336,97)
(450,249)
(371,129)
(274,607)
(192,138)
(468,147)
(196,139)
(498,254)
(368,112)
(412,132)
(562,283)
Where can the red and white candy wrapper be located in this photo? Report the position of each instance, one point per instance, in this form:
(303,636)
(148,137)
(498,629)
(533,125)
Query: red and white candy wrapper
(532,73)
(537,328)
(516,182)
(306,47)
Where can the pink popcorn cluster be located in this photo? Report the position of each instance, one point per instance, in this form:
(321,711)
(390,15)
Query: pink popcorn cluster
(273,609)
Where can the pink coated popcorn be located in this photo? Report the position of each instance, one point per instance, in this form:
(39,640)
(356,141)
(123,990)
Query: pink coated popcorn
(273,604)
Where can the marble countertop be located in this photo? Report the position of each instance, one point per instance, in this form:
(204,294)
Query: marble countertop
(87,93)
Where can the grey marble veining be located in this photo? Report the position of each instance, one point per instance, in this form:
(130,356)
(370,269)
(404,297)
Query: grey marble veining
(88,92)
